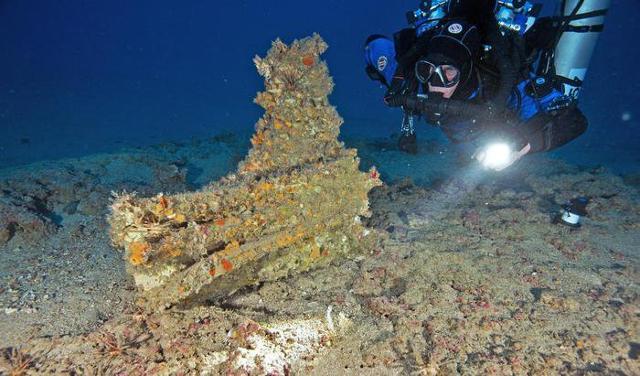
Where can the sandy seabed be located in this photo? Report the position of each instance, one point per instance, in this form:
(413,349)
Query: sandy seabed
(470,275)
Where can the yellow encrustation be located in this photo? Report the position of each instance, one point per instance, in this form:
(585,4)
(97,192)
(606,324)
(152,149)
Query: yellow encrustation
(294,203)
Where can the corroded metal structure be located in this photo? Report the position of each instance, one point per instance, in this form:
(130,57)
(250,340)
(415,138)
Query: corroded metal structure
(294,202)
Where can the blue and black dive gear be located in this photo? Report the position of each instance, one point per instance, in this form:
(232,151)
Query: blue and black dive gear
(567,42)
(516,15)
(536,95)
(511,15)
(428,15)
(381,65)
(379,55)
(545,102)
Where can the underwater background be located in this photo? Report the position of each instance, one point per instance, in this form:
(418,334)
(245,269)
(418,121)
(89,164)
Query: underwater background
(148,227)
(81,77)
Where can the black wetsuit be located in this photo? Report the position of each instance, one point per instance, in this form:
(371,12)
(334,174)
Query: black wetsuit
(494,81)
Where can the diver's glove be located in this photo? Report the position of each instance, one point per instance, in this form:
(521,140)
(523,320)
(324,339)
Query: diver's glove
(394,99)
(415,104)
(435,106)
(500,155)
(509,145)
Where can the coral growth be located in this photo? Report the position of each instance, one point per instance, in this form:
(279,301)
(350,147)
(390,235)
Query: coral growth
(295,201)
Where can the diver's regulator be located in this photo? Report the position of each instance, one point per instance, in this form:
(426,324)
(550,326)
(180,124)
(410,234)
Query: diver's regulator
(512,15)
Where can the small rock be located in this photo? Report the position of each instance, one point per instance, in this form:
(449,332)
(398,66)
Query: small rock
(6,233)
(71,208)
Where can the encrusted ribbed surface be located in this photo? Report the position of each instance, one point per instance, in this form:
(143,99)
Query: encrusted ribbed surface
(294,203)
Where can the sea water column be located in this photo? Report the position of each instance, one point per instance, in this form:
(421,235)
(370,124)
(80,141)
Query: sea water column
(294,203)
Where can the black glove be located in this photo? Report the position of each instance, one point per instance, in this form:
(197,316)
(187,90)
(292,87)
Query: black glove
(422,106)
(394,100)
(412,103)
(408,102)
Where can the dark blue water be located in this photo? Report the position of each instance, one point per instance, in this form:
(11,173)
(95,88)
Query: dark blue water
(79,77)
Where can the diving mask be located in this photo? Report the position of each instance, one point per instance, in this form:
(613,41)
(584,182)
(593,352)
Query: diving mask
(444,75)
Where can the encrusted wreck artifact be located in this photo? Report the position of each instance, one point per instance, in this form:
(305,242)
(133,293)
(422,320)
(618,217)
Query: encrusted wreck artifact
(294,203)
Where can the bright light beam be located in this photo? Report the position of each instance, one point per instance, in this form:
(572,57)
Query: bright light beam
(448,196)
(496,156)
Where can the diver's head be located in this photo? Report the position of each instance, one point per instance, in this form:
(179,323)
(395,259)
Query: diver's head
(441,78)
(449,64)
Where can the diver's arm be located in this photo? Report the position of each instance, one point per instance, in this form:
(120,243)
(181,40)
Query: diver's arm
(549,131)
(441,107)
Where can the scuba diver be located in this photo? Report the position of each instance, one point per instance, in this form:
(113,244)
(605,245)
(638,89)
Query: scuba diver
(483,69)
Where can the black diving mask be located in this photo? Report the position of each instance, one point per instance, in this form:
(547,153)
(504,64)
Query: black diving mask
(444,75)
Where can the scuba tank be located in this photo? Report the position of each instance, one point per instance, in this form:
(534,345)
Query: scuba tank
(577,42)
